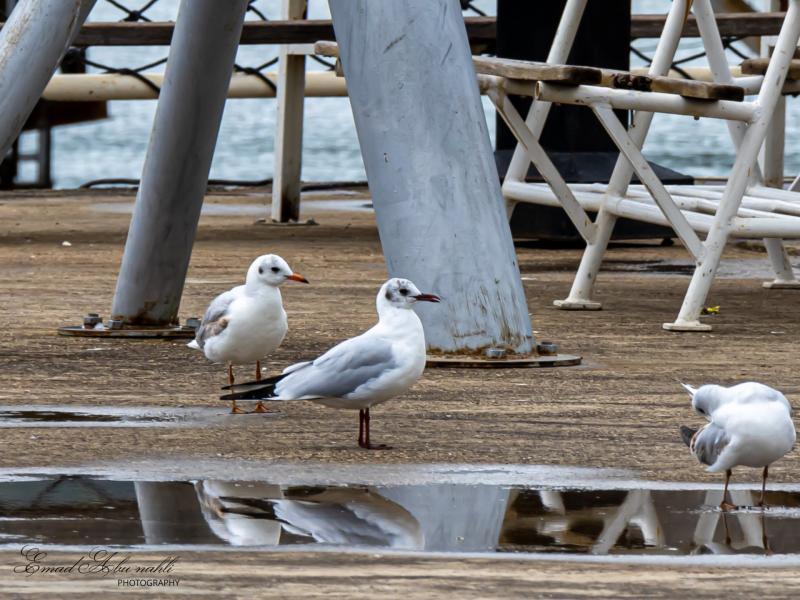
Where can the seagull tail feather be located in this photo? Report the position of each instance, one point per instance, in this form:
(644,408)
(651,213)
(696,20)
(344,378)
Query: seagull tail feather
(692,390)
(253,390)
(687,433)
(254,383)
(194,345)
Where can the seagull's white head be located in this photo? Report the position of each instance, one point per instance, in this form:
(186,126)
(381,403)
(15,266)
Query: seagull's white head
(402,293)
(706,399)
(271,269)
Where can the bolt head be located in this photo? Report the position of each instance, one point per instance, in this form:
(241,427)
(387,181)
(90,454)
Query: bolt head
(495,353)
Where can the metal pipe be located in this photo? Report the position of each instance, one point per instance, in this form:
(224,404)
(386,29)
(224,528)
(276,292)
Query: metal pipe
(431,169)
(178,160)
(32,44)
(92,87)
(744,226)
(587,95)
(717,61)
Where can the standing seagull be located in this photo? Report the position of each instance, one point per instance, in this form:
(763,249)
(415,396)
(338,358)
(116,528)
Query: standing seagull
(247,323)
(750,425)
(363,371)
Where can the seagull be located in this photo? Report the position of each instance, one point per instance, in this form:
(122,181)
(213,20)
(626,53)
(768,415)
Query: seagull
(750,425)
(247,323)
(359,373)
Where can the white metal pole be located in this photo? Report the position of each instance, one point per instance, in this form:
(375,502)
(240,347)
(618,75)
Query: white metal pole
(537,115)
(689,316)
(431,169)
(580,295)
(289,132)
(32,44)
(773,147)
(175,173)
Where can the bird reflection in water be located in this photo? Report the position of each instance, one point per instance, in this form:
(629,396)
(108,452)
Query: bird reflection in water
(252,513)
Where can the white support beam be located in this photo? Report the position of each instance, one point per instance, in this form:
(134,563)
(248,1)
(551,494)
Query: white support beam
(537,155)
(650,180)
(289,134)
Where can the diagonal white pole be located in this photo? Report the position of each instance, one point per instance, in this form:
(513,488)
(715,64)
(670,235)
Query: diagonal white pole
(178,161)
(430,165)
(32,43)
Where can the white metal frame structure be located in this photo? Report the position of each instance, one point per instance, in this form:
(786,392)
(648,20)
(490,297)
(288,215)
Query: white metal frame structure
(743,208)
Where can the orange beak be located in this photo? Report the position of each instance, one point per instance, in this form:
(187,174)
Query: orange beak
(297,277)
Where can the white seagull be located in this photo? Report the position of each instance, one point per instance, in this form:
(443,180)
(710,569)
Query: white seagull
(363,371)
(750,425)
(247,323)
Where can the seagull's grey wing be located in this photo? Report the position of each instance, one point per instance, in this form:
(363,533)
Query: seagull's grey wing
(708,444)
(341,370)
(215,320)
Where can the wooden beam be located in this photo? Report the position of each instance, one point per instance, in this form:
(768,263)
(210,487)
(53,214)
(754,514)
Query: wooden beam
(758,66)
(479,29)
(730,24)
(536,71)
(698,90)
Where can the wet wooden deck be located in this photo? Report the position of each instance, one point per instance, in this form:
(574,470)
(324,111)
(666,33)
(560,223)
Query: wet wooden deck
(621,408)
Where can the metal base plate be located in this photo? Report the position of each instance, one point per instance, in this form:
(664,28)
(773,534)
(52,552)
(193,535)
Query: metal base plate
(577,305)
(686,327)
(179,332)
(477,362)
(271,223)
(781,285)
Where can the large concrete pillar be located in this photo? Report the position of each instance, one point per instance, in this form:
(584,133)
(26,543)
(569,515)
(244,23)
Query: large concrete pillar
(175,173)
(431,169)
(32,43)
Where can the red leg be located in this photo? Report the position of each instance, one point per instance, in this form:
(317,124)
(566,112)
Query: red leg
(234,409)
(258,370)
(365,442)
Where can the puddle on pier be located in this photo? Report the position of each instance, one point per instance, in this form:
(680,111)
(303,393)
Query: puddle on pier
(728,269)
(54,416)
(427,517)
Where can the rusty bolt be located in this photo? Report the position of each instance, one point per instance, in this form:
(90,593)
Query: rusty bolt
(114,324)
(193,322)
(547,348)
(90,320)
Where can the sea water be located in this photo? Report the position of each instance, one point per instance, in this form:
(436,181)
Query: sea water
(115,147)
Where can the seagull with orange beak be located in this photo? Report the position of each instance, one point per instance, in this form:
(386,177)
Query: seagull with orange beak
(247,323)
(381,363)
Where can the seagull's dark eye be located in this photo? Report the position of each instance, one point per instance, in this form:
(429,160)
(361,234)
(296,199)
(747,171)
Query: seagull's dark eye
(403,292)
(275,270)
(260,270)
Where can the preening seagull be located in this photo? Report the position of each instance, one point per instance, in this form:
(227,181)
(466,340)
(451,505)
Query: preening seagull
(247,323)
(750,425)
(363,371)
